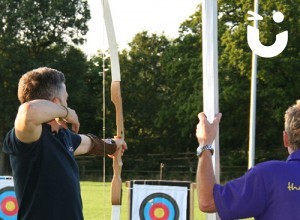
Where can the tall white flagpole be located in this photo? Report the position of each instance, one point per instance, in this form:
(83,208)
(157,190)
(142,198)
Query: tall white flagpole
(251,154)
(210,74)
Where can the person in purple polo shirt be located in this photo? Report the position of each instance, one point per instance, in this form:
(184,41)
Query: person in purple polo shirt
(41,149)
(268,191)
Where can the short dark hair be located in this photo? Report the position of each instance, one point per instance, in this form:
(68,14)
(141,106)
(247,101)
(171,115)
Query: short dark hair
(41,83)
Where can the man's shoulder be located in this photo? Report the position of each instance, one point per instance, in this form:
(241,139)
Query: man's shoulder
(275,168)
(12,145)
(9,140)
(270,165)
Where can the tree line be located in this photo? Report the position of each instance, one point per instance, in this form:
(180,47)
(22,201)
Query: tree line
(161,77)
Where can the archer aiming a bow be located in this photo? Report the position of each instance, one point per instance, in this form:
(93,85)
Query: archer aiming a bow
(42,149)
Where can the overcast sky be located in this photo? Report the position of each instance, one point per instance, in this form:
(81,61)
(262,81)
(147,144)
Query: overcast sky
(133,16)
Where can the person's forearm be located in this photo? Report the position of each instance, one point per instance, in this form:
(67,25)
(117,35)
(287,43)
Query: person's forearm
(101,147)
(93,145)
(42,111)
(205,182)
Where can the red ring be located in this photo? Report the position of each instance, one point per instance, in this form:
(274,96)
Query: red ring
(4,203)
(161,206)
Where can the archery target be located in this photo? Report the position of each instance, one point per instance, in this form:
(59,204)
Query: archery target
(165,201)
(159,206)
(8,204)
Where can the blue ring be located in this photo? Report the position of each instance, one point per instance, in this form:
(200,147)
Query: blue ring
(3,195)
(159,198)
(164,201)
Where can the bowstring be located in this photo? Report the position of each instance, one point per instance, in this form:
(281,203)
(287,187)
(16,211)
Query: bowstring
(103,116)
(104,130)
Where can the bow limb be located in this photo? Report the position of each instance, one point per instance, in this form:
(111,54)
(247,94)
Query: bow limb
(116,183)
(116,98)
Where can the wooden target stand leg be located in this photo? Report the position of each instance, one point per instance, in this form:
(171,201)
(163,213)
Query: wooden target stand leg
(128,197)
(192,193)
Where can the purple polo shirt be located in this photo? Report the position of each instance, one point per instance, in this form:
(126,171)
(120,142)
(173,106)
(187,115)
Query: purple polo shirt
(268,191)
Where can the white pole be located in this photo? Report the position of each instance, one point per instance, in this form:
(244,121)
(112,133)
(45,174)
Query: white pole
(210,74)
(251,156)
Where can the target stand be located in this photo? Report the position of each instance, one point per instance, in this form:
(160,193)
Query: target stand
(8,201)
(160,200)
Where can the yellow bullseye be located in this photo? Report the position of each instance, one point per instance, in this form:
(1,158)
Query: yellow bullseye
(159,212)
(10,206)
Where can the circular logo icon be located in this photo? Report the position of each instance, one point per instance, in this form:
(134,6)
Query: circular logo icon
(159,206)
(8,204)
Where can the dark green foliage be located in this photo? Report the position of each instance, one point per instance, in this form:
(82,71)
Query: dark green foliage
(161,79)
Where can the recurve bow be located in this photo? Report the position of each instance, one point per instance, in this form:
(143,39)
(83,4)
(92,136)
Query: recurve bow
(116,98)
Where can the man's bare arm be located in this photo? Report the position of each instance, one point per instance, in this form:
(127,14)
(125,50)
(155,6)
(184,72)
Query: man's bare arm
(205,183)
(31,115)
(206,134)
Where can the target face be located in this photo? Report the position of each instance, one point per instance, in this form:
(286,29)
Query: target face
(159,206)
(8,204)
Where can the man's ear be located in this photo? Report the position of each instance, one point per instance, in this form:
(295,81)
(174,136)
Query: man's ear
(286,140)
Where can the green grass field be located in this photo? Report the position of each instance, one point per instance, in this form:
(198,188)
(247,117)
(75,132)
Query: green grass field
(97,206)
